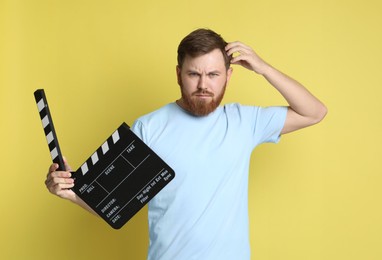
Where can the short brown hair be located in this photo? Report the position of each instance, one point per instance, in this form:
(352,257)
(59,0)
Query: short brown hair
(199,42)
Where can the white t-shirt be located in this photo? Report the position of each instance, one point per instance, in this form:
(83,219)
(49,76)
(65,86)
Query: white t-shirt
(203,213)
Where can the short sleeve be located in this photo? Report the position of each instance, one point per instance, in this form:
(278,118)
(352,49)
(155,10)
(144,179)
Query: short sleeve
(138,130)
(269,123)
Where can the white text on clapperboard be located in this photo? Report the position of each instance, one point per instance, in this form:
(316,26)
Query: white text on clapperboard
(143,196)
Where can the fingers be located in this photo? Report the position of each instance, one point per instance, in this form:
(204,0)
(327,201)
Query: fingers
(238,47)
(52,168)
(246,57)
(58,177)
(59,182)
(55,166)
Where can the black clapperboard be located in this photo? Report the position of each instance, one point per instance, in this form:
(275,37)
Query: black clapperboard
(119,178)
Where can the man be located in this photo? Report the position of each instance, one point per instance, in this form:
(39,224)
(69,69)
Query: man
(203,212)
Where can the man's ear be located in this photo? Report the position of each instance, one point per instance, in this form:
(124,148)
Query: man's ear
(229,74)
(178,71)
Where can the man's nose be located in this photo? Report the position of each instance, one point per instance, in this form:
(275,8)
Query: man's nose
(202,82)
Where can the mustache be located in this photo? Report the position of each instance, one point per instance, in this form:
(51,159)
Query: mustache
(203,92)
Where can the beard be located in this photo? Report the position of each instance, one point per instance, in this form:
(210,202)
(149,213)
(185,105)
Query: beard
(199,106)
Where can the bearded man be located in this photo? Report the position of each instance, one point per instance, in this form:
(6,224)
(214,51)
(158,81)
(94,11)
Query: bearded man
(203,213)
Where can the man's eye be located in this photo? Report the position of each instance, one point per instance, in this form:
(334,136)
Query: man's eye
(192,74)
(212,75)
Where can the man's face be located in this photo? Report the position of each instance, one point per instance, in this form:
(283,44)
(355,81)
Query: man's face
(203,81)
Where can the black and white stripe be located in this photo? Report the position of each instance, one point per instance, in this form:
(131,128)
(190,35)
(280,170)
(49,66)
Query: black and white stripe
(47,124)
(100,152)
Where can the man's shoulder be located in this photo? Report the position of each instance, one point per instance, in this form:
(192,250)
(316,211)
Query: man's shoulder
(238,111)
(239,108)
(163,111)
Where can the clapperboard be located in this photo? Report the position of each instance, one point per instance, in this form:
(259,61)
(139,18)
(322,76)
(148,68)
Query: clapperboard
(119,178)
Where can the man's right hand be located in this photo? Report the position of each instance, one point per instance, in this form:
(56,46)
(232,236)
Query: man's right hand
(60,183)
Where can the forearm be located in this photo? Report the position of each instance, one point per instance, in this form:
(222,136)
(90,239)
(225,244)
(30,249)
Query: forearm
(304,108)
(298,97)
(77,200)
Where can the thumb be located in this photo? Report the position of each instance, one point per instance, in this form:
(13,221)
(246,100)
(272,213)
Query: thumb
(67,166)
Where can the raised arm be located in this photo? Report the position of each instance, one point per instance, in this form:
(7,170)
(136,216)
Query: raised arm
(304,108)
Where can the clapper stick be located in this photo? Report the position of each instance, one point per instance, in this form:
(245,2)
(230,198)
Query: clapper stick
(50,133)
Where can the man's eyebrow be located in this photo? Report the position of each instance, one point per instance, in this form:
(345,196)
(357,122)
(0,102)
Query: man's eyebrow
(209,72)
(193,71)
(214,71)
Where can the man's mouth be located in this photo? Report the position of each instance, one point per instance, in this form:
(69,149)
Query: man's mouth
(203,94)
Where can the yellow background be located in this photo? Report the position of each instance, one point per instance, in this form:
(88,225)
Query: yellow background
(316,195)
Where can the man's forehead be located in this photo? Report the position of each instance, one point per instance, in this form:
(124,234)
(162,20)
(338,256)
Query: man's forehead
(213,60)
